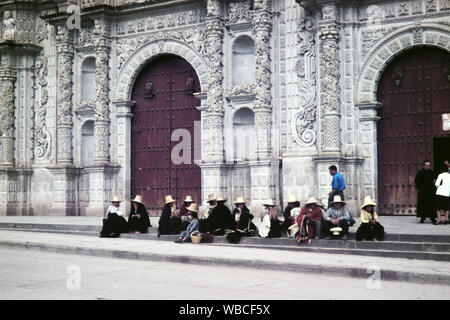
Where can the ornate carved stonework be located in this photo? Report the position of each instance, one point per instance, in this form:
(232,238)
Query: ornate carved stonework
(64,112)
(85,38)
(329,78)
(7,118)
(239,13)
(213,112)
(195,38)
(101,106)
(42,137)
(302,124)
(247,90)
(262,26)
(42,30)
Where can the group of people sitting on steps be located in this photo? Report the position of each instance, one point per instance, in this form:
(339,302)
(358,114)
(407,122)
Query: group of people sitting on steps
(312,221)
(114,222)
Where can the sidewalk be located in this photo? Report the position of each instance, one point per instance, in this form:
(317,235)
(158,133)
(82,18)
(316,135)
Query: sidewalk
(396,269)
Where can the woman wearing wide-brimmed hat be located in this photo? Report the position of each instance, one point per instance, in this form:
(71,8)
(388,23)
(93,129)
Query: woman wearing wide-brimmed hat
(337,215)
(169,222)
(310,221)
(270,226)
(370,227)
(194,224)
(114,223)
(220,218)
(289,219)
(138,220)
(242,222)
(183,209)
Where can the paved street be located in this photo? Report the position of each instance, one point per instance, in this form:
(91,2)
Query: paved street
(31,274)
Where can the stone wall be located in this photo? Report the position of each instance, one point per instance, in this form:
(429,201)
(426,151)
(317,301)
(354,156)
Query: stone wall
(313,94)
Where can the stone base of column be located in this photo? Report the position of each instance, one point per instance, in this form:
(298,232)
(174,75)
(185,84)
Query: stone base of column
(215,180)
(15,190)
(351,168)
(7,145)
(102,185)
(265,184)
(65,191)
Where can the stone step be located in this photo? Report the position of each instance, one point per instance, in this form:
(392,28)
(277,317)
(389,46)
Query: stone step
(419,238)
(409,250)
(420,255)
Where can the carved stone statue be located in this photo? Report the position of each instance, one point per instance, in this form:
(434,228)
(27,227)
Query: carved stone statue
(148,95)
(9,26)
(190,85)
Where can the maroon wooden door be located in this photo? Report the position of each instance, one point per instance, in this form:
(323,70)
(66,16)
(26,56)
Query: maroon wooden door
(414,91)
(164,98)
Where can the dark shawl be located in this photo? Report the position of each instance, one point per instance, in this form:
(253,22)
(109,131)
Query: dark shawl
(275,228)
(244,222)
(114,226)
(220,218)
(138,224)
(287,211)
(167,224)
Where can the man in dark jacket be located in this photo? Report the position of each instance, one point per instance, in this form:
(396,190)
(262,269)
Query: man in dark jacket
(424,182)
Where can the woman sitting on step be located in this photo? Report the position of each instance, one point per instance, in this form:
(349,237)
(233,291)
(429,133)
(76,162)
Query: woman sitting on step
(369,228)
(138,220)
(114,223)
(169,222)
(242,222)
(270,226)
(193,225)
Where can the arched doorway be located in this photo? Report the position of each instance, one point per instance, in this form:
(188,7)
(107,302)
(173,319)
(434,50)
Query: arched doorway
(415,92)
(164,102)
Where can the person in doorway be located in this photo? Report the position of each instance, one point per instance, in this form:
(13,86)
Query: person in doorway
(270,226)
(169,222)
(193,225)
(443,196)
(310,221)
(370,227)
(337,184)
(114,223)
(337,215)
(138,220)
(426,190)
(220,218)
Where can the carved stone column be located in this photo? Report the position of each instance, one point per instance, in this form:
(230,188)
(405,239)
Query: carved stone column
(212,114)
(7,107)
(123,150)
(368,121)
(64,45)
(101,106)
(329,80)
(262,26)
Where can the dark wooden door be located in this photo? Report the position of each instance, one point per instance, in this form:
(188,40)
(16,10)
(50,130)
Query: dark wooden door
(164,98)
(415,92)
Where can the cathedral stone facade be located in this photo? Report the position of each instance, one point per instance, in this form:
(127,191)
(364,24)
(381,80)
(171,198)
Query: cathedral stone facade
(286,88)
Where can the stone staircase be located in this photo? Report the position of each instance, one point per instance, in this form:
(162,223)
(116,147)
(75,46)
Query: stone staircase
(434,247)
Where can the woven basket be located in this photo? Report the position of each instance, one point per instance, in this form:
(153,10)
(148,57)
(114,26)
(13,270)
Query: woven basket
(196,237)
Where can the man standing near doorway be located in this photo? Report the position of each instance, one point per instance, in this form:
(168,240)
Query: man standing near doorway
(424,183)
(337,184)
